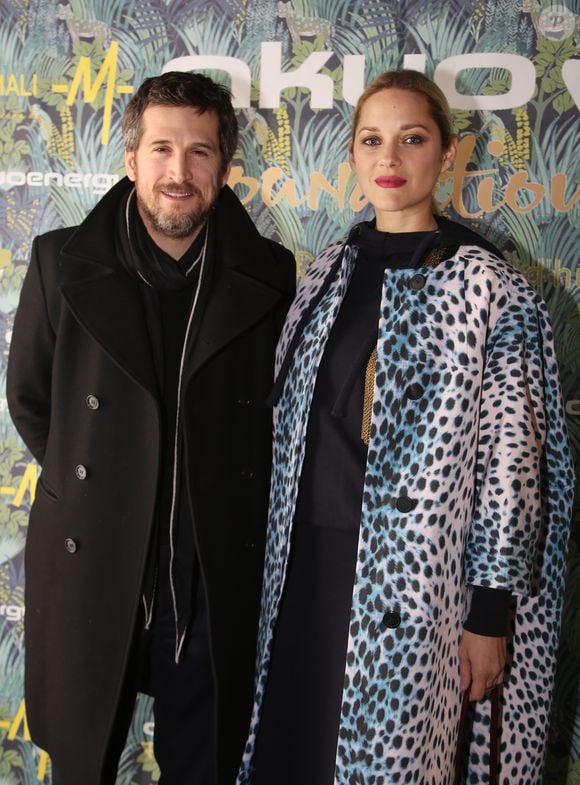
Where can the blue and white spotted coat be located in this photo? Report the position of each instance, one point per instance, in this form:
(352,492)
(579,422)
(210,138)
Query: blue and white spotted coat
(468,482)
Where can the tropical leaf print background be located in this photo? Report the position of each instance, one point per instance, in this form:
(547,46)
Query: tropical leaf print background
(66,71)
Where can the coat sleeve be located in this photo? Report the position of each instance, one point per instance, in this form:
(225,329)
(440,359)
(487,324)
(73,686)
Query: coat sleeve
(28,383)
(521,418)
(533,524)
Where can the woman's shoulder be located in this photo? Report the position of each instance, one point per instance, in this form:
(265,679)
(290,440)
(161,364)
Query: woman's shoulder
(480,256)
(500,289)
(457,234)
(328,254)
(483,263)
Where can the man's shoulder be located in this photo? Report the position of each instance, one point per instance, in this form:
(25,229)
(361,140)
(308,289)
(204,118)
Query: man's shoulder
(51,243)
(93,236)
(280,251)
(285,264)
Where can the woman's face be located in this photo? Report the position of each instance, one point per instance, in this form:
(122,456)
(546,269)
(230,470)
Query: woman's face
(397,156)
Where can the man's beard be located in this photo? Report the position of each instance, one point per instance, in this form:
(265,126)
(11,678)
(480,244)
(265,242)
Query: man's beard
(177,225)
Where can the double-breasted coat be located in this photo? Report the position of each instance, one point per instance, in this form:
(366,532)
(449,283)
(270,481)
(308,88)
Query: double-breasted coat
(83,394)
(468,482)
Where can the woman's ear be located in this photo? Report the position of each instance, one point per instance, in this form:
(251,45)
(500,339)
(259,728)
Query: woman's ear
(351,156)
(449,155)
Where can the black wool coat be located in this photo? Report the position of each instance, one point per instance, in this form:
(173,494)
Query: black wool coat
(83,395)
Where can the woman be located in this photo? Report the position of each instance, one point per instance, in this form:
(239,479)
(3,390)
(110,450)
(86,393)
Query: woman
(419,464)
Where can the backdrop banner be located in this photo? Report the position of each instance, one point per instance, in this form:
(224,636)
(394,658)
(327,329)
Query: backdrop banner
(511,72)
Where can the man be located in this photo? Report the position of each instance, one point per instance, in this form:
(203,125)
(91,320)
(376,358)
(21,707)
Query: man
(142,353)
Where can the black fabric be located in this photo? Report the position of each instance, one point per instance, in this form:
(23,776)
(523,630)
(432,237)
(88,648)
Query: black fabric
(183,691)
(453,233)
(488,614)
(168,306)
(297,737)
(142,258)
(335,454)
(85,607)
(184,739)
(168,288)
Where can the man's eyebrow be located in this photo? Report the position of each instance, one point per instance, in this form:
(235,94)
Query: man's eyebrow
(199,143)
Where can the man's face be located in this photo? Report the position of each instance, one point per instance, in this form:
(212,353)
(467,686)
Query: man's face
(178,172)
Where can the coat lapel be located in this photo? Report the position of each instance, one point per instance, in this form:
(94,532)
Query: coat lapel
(312,288)
(236,302)
(111,310)
(247,280)
(102,295)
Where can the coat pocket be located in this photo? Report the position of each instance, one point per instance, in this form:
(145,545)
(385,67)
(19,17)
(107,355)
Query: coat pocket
(47,489)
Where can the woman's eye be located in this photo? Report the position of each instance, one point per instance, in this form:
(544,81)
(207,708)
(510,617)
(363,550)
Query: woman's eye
(371,141)
(413,139)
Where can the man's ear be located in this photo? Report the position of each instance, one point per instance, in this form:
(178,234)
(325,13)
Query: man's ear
(130,165)
(226,174)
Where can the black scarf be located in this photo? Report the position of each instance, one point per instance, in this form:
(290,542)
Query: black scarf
(156,273)
(143,259)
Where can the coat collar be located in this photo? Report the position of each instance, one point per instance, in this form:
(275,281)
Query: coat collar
(247,282)
(325,267)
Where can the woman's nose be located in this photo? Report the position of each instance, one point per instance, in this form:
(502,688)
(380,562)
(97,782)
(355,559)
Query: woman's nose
(390,154)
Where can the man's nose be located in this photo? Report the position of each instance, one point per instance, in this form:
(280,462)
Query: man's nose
(180,167)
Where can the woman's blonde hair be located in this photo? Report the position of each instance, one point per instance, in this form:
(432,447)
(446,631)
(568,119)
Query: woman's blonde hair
(415,82)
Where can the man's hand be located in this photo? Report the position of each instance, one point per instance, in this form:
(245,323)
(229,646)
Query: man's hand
(481,663)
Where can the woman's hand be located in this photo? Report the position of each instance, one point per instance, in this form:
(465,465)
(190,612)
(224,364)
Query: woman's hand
(481,663)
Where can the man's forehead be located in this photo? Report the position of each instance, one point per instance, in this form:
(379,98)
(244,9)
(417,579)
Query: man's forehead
(162,119)
(163,110)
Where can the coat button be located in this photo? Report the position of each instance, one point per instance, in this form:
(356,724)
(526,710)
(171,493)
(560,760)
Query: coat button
(243,402)
(405,504)
(81,472)
(93,402)
(417,282)
(70,545)
(247,474)
(414,391)
(392,619)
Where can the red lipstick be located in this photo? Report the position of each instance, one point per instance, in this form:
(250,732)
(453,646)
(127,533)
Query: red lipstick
(390,182)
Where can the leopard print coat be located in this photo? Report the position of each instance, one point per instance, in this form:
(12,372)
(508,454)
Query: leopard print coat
(468,482)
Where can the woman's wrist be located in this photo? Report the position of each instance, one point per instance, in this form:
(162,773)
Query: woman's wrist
(489,611)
